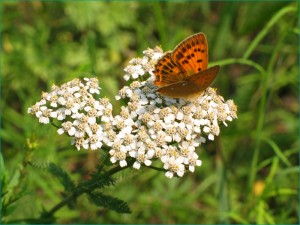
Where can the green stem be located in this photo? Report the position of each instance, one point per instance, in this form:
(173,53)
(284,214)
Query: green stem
(240,61)
(156,168)
(60,205)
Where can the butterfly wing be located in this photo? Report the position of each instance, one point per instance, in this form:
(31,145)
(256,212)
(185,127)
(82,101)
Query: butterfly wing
(183,89)
(204,78)
(194,85)
(166,71)
(191,55)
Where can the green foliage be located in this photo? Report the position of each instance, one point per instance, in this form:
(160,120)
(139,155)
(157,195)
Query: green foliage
(97,181)
(109,202)
(249,174)
(59,173)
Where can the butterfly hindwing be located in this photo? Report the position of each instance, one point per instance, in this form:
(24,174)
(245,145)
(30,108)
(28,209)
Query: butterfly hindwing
(204,78)
(166,71)
(183,89)
(191,55)
(193,86)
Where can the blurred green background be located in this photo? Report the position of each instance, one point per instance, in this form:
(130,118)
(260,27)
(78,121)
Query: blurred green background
(249,174)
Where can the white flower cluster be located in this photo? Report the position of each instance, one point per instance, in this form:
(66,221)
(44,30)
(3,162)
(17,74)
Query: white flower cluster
(80,114)
(140,66)
(150,127)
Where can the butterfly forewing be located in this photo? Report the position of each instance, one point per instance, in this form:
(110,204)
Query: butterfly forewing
(191,55)
(166,72)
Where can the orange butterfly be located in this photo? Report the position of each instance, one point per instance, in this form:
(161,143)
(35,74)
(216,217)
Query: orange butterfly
(183,73)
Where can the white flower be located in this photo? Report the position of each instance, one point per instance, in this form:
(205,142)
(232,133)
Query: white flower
(174,165)
(197,163)
(92,85)
(95,142)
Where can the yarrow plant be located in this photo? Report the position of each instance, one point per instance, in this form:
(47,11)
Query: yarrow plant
(149,127)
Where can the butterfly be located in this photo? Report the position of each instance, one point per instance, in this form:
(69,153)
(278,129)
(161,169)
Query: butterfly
(183,72)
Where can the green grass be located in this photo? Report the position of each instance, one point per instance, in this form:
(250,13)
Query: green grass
(249,174)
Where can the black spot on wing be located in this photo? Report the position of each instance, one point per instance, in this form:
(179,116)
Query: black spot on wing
(179,56)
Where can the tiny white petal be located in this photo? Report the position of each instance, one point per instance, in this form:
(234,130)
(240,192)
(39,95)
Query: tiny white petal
(206,129)
(180,173)
(126,77)
(198,162)
(179,116)
(169,174)
(150,153)
(91,120)
(38,114)
(191,168)
(147,162)
(123,163)
(44,120)
(136,165)
(60,131)
(53,114)
(133,154)
(72,131)
(113,159)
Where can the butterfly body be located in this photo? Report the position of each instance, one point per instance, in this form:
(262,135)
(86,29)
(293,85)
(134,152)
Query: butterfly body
(183,72)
